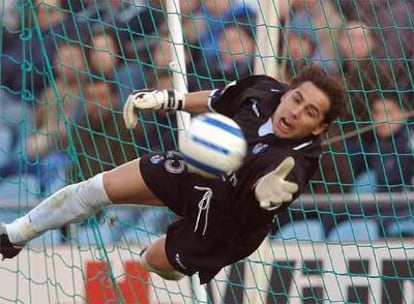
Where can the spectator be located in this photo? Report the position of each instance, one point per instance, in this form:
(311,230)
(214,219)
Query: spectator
(95,138)
(355,45)
(193,23)
(53,114)
(10,15)
(236,46)
(49,13)
(389,154)
(135,29)
(301,43)
(391,26)
(324,20)
(103,52)
(217,15)
(71,102)
(100,101)
(30,53)
(381,161)
(134,20)
(44,151)
(391,29)
(388,28)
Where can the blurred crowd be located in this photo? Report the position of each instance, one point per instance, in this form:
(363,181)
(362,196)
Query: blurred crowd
(67,67)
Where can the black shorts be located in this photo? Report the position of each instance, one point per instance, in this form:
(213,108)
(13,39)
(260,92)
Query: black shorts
(197,242)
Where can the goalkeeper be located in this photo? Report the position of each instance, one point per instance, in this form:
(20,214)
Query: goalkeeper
(221,220)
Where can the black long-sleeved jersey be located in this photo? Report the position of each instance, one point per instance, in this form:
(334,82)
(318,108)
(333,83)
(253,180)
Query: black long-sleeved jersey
(221,219)
(251,102)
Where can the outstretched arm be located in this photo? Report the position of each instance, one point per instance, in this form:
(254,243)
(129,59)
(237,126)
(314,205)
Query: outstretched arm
(168,100)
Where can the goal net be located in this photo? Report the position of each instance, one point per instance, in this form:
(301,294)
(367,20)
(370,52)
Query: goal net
(66,70)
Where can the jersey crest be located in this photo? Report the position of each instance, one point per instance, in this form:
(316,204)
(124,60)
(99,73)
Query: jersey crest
(156,159)
(259,148)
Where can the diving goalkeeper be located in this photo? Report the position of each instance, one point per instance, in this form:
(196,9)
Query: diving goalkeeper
(221,220)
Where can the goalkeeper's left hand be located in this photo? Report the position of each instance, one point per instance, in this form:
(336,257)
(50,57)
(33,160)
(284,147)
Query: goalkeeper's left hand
(272,190)
(141,100)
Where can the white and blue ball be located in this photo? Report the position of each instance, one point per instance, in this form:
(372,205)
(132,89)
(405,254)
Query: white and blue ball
(213,145)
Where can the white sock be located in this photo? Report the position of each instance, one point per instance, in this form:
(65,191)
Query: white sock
(70,204)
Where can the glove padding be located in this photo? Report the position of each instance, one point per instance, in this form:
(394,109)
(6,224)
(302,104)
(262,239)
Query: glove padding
(272,190)
(142,100)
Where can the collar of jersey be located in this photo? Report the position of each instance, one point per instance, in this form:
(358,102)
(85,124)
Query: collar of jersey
(266,128)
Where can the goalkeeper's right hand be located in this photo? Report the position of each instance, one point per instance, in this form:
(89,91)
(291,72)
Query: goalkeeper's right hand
(142,100)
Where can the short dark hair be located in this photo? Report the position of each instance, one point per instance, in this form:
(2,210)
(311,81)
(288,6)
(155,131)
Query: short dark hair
(331,85)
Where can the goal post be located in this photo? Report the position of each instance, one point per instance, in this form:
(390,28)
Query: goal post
(347,239)
(268,28)
(178,64)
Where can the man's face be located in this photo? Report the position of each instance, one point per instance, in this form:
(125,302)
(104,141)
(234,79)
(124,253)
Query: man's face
(235,44)
(301,112)
(103,56)
(69,62)
(388,117)
(355,42)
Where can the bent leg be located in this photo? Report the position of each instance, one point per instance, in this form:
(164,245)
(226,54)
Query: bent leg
(154,259)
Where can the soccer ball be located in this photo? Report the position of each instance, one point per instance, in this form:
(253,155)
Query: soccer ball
(212,145)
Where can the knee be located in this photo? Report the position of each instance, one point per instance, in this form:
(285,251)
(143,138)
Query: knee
(154,260)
